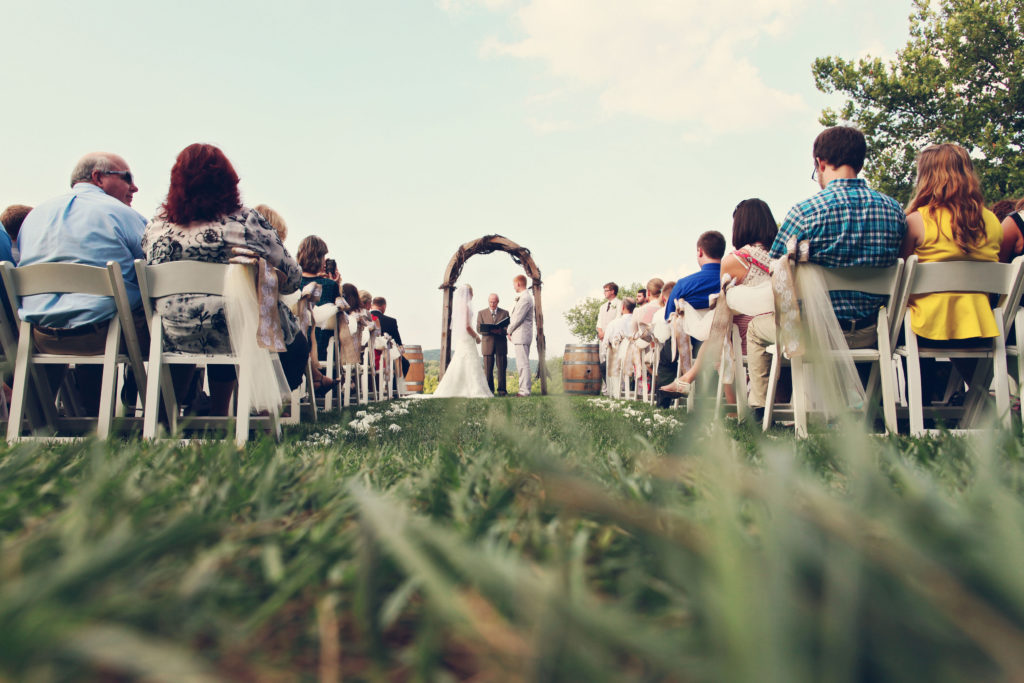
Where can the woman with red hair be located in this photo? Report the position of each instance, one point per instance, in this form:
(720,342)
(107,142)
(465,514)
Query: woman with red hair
(202,220)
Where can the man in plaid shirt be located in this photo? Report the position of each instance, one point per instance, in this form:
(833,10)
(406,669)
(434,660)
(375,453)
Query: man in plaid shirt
(847,224)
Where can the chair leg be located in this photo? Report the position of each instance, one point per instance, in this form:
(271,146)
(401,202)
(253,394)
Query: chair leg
(310,394)
(108,385)
(739,376)
(796,365)
(914,382)
(21,365)
(151,415)
(244,407)
(888,380)
(1002,385)
(773,382)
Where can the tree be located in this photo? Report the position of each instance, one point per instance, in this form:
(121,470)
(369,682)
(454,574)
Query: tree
(582,318)
(960,79)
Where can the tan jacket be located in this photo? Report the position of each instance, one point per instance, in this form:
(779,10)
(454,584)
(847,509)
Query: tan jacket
(492,344)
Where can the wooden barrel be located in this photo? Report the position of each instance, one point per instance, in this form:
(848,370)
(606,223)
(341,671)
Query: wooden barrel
(581,369)
(414,378)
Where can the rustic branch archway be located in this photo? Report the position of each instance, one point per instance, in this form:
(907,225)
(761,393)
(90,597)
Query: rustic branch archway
(486,245)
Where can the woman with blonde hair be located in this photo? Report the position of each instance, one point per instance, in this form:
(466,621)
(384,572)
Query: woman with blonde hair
(947,221)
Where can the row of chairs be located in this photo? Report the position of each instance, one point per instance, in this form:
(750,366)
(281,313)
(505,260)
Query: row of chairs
(1003,282)
(34,409)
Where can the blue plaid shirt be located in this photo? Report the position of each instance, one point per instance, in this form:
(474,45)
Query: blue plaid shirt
(847,224)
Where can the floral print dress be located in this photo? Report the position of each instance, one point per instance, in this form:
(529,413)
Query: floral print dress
(195,323)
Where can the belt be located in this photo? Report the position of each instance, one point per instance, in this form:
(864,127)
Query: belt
(859,323)
(61,332)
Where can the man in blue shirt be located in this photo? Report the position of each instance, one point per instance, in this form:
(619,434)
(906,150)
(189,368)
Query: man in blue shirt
(92,225)
(695,289)
(846,224)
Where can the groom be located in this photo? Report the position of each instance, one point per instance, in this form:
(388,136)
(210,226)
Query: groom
(520,332)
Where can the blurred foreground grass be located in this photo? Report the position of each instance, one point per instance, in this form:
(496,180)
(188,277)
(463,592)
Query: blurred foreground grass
(515,539)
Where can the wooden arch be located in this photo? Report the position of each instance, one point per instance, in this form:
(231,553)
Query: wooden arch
(486,245)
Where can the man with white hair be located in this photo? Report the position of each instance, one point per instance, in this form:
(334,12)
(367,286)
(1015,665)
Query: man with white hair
(91,225)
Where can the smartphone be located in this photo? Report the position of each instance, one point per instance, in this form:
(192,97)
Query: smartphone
(331,266)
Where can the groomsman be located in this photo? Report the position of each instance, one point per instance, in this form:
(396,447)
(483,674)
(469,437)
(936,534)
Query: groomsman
(495,345)
(610,310)
(520,332)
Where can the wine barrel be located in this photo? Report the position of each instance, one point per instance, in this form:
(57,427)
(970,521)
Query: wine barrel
(581,369)
(414,378)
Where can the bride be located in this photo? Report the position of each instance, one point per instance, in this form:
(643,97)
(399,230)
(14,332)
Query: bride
(464,375)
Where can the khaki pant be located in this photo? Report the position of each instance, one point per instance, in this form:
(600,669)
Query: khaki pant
(761,335)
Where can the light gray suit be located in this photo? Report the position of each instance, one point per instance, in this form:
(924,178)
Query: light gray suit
(520,330)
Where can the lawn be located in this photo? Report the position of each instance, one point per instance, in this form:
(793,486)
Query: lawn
(548,538)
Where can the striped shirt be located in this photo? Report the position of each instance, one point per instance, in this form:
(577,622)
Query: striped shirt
(847,224)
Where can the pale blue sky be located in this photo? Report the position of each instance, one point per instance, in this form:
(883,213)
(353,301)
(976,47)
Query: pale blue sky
(603,135)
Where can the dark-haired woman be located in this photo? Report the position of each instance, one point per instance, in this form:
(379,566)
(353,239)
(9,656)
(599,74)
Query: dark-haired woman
(312,258)
(753,231)
(202,219)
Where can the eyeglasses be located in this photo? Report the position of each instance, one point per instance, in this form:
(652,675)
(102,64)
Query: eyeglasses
(125,175)
(814,173)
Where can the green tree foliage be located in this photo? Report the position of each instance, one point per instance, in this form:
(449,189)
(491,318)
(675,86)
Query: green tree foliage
(582,318)
(960,79)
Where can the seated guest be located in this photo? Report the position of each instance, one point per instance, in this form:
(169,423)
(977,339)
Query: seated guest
(1003,208)
(696,288)
(846,224)
(275,219)
(202,219)
(388,325)
(92,224)
(11,219)
(618,333)
(1013,234)
(646,312)
(753,230)
(312,256)
(947,221)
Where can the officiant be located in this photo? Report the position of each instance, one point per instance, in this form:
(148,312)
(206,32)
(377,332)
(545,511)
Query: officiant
(492,324)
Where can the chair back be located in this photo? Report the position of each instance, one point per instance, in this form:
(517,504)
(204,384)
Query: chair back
(879,281)
(77,278)
(1006,280)
(178,277)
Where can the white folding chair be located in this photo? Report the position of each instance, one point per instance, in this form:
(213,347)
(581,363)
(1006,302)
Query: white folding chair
(879,281)
(66,278)
(1001,279)
(304,396)
(189,277)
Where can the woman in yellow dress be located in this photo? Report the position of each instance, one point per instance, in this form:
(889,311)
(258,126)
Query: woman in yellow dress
(947,221)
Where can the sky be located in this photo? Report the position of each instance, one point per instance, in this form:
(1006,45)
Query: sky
(603,135)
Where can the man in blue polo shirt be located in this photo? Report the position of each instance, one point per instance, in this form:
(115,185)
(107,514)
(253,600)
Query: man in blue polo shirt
(695,289)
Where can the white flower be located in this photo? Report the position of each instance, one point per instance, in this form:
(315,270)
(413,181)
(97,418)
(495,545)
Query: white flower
(394,428)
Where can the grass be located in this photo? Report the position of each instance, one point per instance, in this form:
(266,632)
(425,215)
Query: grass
(548,538)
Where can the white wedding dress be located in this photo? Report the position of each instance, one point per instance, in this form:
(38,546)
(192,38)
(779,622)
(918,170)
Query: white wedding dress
(464,377)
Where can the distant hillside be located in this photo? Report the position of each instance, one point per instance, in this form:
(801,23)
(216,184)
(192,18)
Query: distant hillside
(435,355)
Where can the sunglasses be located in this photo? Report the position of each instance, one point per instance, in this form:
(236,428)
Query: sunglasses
(125,175)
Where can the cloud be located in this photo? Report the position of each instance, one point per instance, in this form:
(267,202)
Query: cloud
(676,61)
(544,127)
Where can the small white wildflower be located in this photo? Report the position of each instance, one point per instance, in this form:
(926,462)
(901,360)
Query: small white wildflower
(394,427)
